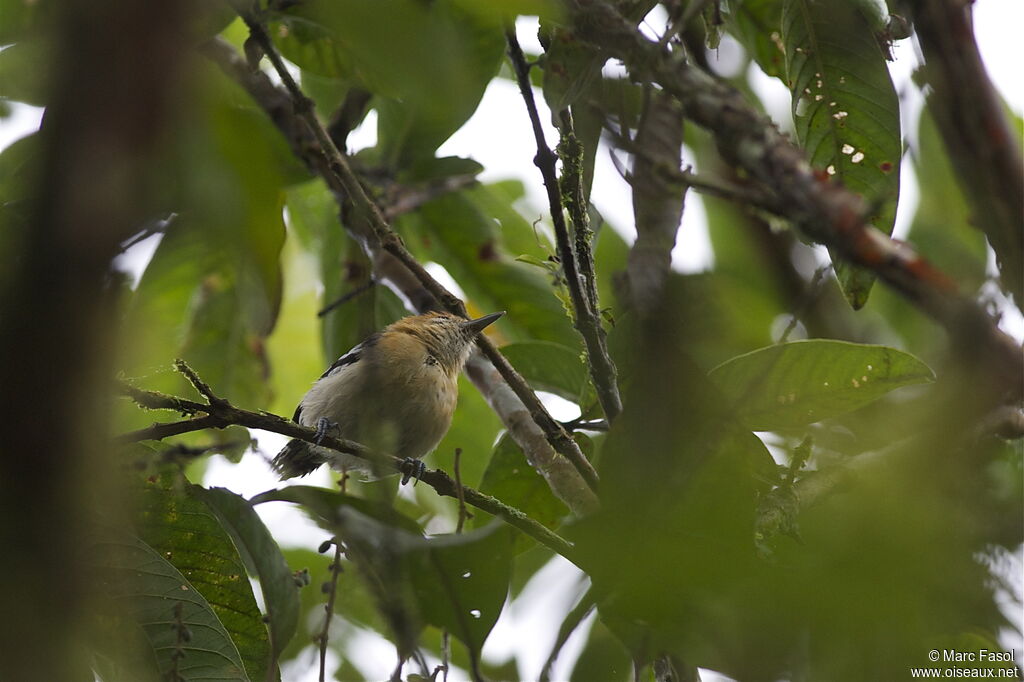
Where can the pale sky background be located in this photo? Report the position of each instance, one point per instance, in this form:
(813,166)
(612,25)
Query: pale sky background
(499,137)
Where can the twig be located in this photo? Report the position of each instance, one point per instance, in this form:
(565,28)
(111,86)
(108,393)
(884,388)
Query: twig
(345,298)
(159,431)
(745,196)
(463,512)
(197,383)
(332,590)
(401,199)
(825,210)
(444,485)
(341,176)
(805,302)
(586,317)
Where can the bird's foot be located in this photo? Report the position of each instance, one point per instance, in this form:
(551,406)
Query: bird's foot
(412,468)
(323,427)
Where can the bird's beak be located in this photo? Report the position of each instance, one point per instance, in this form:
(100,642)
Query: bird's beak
(477,325)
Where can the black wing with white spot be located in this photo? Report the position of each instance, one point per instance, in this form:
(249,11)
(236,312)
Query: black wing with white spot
(348,358)
(351,356)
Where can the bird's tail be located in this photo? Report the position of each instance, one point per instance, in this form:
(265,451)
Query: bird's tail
(297,458)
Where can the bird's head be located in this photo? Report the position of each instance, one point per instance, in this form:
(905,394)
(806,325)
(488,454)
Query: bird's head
(447,337)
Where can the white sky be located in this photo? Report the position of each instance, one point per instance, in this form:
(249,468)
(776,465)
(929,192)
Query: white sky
(499,137)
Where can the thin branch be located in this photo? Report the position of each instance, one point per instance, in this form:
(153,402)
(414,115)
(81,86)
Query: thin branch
(197,383)
(810,293)
(463,512)
(746,196)
(586,318)
(335,168)
(825,210)
(400,199)
(970,115)
(159,431)
(332,591)
(227,414)
(345,298)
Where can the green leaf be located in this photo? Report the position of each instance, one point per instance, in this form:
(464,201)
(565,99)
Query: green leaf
(845,109)
(550,367)
(309,44)
(262,557)
(756,24)
(324,506)
(190,537)
(511,479)
(146,588)
(456,582)
(406,52)
(798,383)
(603,657)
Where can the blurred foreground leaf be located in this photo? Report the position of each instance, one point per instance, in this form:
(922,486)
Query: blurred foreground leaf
(190,537)
(262,557)
(147,588)
(798,383)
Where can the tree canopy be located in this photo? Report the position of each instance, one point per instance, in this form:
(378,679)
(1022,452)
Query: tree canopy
(801,462)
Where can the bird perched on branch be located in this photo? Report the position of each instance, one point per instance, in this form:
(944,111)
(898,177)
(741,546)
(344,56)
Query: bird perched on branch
(395,393)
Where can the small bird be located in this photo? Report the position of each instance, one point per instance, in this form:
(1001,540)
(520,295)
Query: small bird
(395,393)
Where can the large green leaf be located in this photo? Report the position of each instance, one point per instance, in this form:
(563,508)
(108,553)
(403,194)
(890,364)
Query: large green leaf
(144,589)
(406,52)
(263,559)
(190,537)
(793,384)
(845,109)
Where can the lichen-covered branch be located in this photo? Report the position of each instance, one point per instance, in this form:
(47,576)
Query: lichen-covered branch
(578,267)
